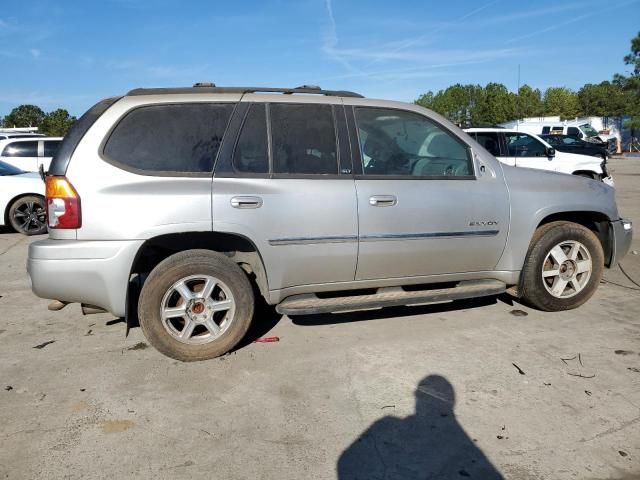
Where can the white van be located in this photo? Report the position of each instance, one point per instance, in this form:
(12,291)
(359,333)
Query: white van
(521,149)
(579,128)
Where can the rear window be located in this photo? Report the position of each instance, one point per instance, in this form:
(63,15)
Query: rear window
(176,138)
(252,150)
(303,139)
(21,149)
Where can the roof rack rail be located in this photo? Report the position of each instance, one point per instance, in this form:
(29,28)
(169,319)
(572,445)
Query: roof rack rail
(205,87)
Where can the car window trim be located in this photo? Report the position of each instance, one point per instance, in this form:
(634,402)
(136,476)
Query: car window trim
(362,176)
(164,173)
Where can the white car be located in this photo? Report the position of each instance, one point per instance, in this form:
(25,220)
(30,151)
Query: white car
(22,200)
(29,153)
(520,149)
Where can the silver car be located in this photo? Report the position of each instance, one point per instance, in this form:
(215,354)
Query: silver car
(180,206)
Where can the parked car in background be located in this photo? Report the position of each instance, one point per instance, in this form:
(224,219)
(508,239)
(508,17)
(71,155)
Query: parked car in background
(29,153)
(520,149)
(22,200)
(569,144)
(5,136)
(27,132)
(319,201)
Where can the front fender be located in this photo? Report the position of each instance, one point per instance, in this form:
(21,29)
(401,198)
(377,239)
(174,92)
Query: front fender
(537,195)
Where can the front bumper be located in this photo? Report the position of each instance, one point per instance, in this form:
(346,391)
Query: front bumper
(92,272)
(622,234)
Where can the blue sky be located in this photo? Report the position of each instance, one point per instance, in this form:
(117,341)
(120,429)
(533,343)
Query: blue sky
(70,54)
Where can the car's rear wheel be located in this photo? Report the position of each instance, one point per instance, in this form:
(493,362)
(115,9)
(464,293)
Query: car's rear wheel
(195,305)
(563,267)
(27,215)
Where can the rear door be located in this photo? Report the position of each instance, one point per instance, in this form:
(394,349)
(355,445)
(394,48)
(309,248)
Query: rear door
(527,151)
(423,207)
(23,155)
(285,183)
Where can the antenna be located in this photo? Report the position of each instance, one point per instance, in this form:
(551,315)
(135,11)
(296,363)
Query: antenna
(519,101)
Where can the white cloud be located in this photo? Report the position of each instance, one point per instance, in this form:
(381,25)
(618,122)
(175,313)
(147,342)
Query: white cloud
(330,45)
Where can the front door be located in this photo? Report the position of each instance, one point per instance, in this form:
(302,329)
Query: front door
(423,208)
(527,151)
(281,184)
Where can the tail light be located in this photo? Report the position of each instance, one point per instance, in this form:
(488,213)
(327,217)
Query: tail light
(63,203)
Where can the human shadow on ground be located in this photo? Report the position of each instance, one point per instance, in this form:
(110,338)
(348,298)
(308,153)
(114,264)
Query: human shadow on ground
(429,444)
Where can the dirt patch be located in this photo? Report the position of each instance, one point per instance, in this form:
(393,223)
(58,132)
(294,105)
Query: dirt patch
(116,426)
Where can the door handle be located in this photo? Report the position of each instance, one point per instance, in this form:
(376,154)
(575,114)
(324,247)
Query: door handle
(246,202)
(383,200)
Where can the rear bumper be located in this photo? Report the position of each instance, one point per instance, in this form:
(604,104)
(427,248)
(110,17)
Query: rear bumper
(93,272)
(622,231)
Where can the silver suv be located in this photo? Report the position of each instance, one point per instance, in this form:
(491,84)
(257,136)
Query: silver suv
(180,206)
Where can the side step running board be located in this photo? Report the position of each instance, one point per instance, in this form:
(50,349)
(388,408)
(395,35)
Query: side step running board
(308,304)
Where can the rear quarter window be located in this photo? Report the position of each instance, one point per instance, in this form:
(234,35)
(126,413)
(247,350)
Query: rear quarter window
(21,149)
(172,139)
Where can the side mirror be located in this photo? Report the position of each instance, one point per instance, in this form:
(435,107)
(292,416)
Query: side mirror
(550,152)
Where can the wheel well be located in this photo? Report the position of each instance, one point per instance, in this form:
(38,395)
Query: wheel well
(597,222)
(590,173)
(238,248)
(17,197)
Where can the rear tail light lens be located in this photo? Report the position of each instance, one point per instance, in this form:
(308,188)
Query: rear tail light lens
(63,203)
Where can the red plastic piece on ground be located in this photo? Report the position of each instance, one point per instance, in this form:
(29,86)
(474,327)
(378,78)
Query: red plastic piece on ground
(266,339)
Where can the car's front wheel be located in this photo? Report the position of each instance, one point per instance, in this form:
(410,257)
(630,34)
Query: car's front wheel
(27,215)
(195,305)
(563,267)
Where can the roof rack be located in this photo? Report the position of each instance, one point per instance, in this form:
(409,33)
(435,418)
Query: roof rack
(206,87)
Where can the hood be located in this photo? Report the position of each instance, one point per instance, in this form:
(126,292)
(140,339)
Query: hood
(553,191)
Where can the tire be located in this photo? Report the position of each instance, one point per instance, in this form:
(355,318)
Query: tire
(27,215)
(175,311)
(543,274)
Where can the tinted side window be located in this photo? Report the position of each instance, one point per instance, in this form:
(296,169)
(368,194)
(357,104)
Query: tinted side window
(170,138)
(252,152)
(546,130)
(21,149)
(51,147)
(573,131)
(490,141)
(523,145)
(303,139)
(396,142)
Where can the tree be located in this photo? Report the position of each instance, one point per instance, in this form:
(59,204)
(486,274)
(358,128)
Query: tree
(633,58)
(561,101)
(603,100)
(57,123)
(529,102)
(631,85)
(24,116)
(456,102)
(495,105)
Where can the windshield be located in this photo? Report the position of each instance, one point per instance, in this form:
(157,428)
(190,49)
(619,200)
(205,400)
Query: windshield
(6,169)
(588,130)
